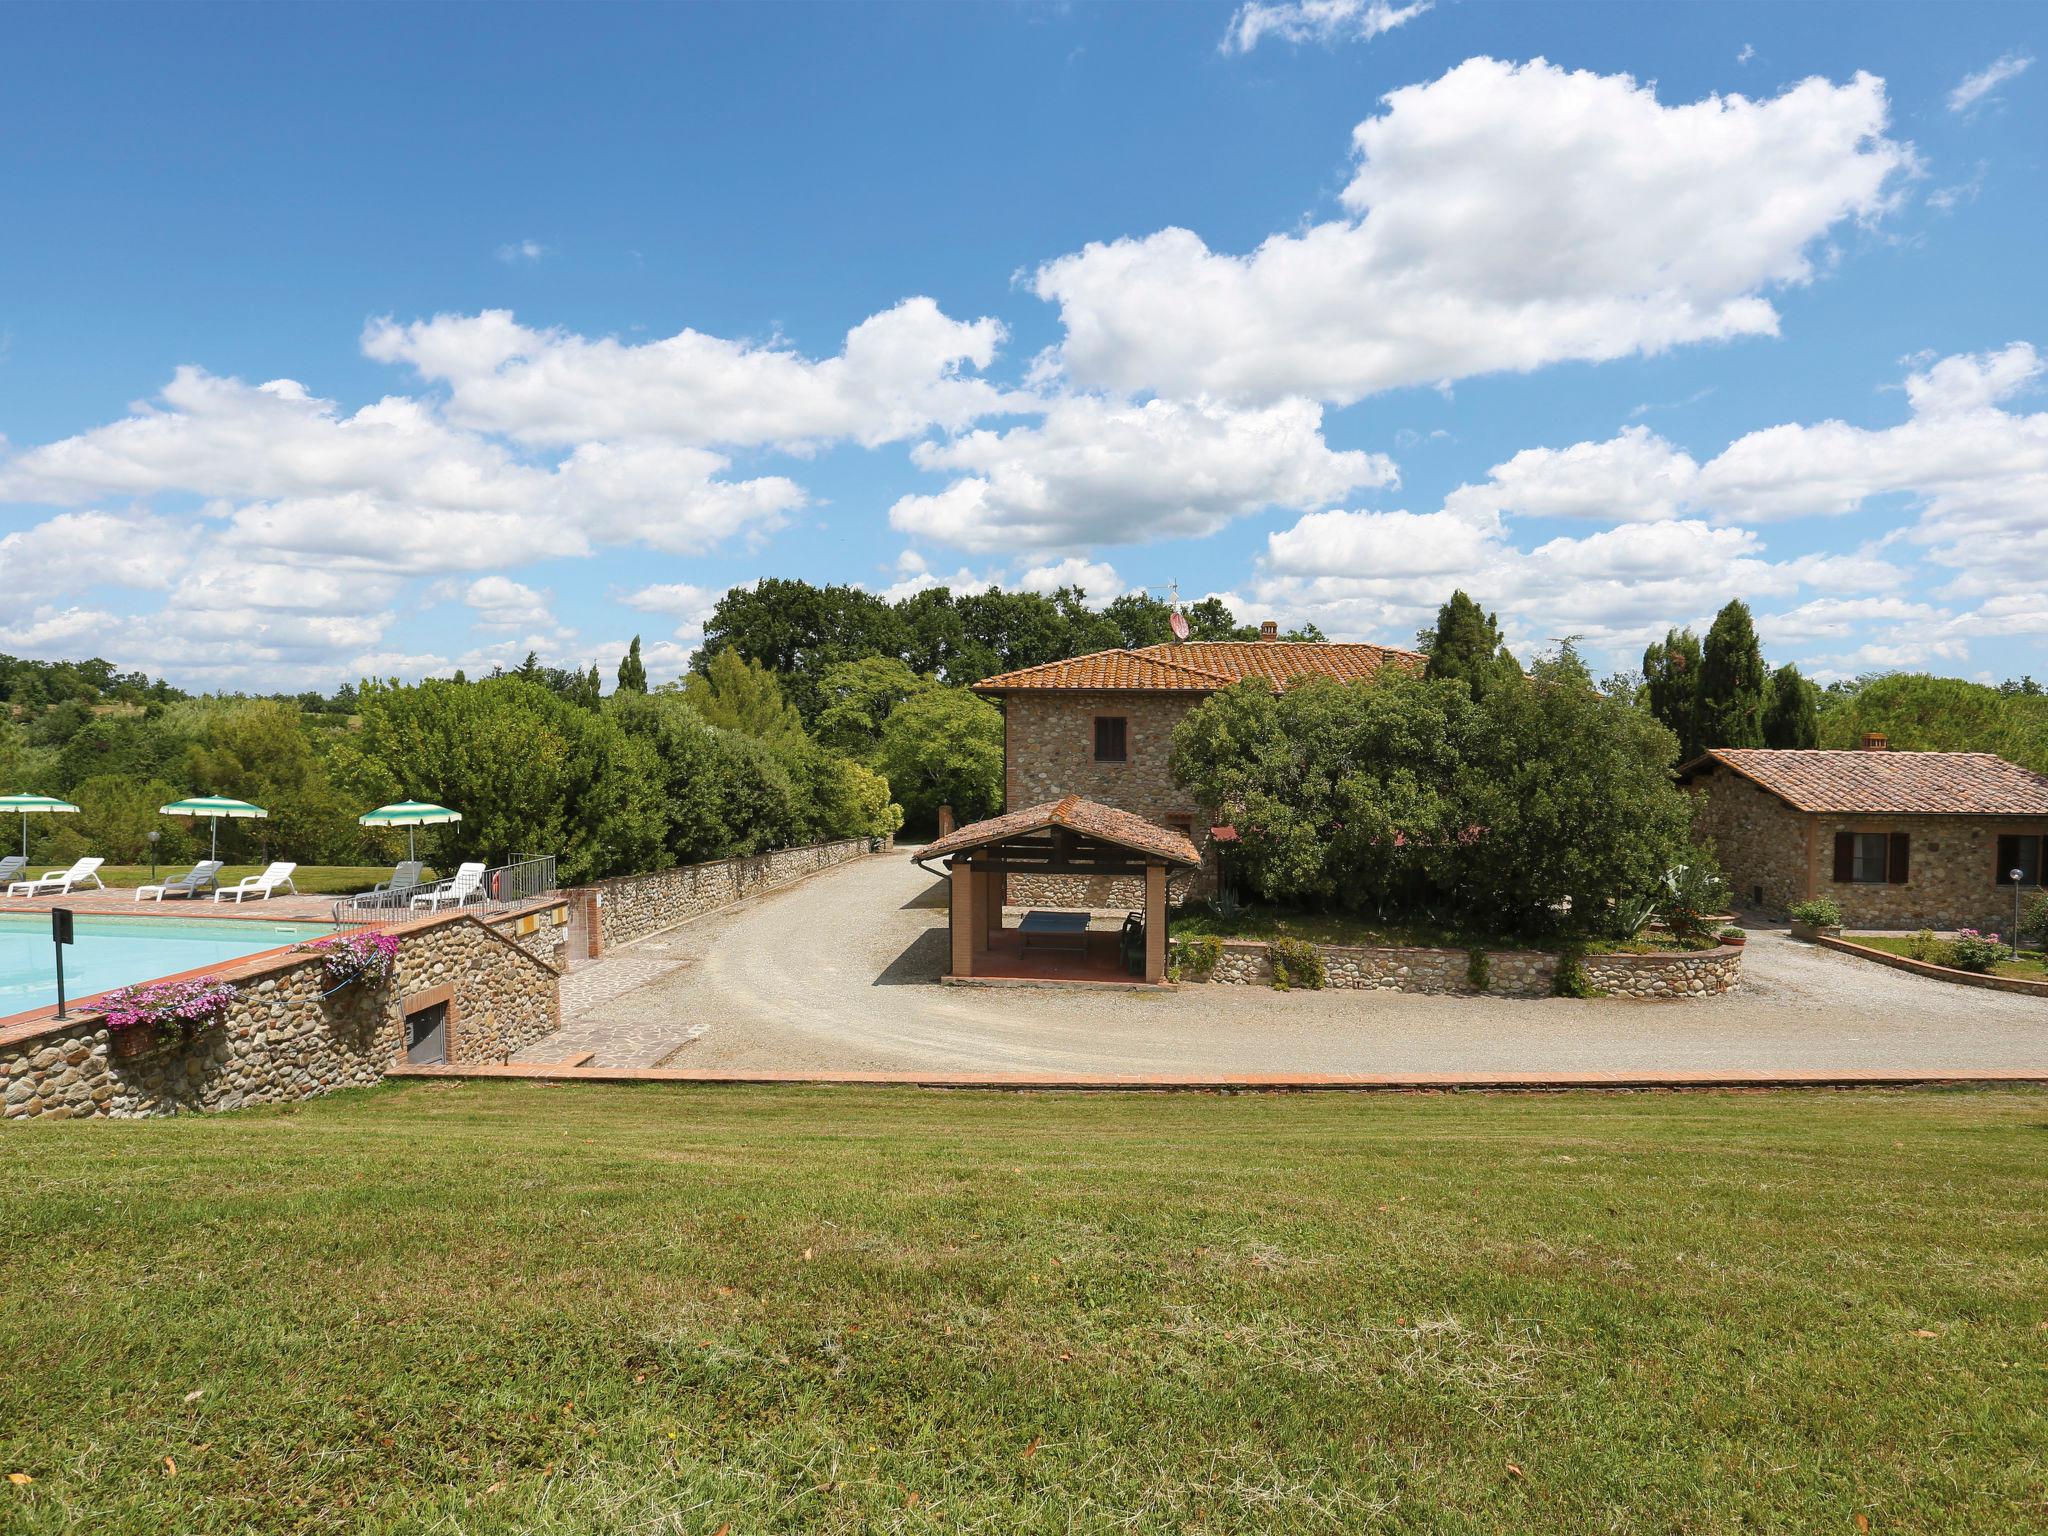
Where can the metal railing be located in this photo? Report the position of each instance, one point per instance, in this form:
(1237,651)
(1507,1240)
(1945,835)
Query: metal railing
(502,887)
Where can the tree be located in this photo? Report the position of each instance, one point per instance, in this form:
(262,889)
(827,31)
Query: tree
(858,697)
(119,813)
(1792,715)
(1465,646)
(944,747)
(632,671)
(1732,681)
(797,630)
(1671,688)
(258,750)
(1920,713)
(744,696)
(530,772)
(694,775)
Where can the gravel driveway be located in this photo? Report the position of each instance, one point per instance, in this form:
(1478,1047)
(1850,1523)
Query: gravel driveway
(839,972)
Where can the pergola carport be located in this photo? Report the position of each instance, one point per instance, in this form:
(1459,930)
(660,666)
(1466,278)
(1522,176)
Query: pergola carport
(1061,837)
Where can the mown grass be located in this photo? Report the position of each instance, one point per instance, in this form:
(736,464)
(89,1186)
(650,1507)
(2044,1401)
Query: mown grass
(2032,964)
(523,1308)
(320,879)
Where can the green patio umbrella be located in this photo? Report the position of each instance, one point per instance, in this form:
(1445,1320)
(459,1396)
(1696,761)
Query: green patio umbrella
(33,805)
(409,814)
(213,807)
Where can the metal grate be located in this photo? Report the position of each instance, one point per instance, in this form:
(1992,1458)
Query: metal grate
(508,885)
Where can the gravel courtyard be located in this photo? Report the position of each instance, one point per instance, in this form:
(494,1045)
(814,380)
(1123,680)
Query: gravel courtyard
(838,973)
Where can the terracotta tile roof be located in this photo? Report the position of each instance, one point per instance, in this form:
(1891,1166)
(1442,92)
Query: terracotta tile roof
(1202,666)
(1886,783)
(1083,816)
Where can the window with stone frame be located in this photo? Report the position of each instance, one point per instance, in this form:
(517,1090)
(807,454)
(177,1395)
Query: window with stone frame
(1112,743)
(2022,852)
(1872,858)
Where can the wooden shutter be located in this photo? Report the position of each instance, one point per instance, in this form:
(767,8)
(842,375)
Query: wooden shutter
(1845,857)
(1897,862)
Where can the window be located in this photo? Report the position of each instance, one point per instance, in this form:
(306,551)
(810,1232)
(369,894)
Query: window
(1109,739)
(1871,858)
(2022,853)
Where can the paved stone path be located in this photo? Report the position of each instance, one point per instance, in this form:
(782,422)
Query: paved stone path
(602,1011)
(838,974)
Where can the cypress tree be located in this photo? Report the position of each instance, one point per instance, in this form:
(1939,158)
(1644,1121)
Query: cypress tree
(1671,687)
(1792,717)
(1465,644)
(1732,681)
(632,671)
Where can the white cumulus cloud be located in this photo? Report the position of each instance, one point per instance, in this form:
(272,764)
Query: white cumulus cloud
(1315,21)
(1974,89)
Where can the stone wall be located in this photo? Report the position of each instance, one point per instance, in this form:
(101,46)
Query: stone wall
(1049,751)
(1511,972)
(282,1040)
(1764,846)
(634,906)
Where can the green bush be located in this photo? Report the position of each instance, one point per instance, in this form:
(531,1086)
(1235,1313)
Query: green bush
(1693,893)
(1974,951)
(2034,922)
(1821,912)
(1193,959)
(1928,949)
(1571,979)
(1296,963)
(1479,970)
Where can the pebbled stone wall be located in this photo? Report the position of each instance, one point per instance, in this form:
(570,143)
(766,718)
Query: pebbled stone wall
(1511,972)
(282,1040)
(634,906)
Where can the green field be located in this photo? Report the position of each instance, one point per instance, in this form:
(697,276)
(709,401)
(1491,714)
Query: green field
(311,879)
(520,1307)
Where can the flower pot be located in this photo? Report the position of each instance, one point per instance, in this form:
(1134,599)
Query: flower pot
(1812,931)
(1735,943)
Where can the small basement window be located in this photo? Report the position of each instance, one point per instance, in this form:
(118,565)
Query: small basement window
(2022,853)
(1110,746)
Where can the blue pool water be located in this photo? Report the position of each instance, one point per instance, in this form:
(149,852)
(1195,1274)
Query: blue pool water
(114,951)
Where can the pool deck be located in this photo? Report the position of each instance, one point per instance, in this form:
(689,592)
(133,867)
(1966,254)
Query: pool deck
(119,903)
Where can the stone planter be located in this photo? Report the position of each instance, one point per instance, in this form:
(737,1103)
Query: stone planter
(132,1044)
(1812,931)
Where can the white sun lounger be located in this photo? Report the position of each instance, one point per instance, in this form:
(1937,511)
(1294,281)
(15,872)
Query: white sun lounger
(203,876)
(467,886)
(61,881)
(262,885)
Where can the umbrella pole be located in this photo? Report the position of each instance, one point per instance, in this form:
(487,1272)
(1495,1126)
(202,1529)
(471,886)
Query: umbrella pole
(214,821)
(24,837)
(412,853)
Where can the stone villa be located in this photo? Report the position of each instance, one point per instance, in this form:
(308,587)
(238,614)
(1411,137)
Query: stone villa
(1101,726)
(1898,839)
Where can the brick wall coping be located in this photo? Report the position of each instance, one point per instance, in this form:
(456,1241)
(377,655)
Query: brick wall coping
(1939,972)
(37,1022)
(610,881)
(1228,1082)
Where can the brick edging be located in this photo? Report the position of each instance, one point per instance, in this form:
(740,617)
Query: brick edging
(1224,1082)
(2017,984)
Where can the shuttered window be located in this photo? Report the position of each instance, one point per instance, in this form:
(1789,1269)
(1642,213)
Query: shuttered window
(1872,858)
(1109,739)
(2022,853)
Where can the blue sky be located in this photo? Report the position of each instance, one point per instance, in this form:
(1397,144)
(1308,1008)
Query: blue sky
(345,340)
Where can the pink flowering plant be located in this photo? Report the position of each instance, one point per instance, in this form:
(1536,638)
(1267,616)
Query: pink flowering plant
(1970,950)
(188,1005)
(352,957)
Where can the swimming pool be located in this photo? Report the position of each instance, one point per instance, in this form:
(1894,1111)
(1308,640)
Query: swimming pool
(114,951)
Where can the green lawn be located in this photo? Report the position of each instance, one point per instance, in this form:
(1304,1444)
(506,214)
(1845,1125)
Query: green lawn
(2032,965)
(324,879)
(516,1307)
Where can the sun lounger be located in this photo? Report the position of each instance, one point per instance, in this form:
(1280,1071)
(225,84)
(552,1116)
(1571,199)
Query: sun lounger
(203,876)
(11,866)
(61,882)
(263,885)
(467,886)
(406,877)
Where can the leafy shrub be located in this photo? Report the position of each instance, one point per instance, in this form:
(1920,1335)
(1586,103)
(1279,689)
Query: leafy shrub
(2034,922)
(1974,951)
(1479,969)
(1571,979)
(1928,949)
(1296,963)
(1821,912)
(1733,935)
(1193,959)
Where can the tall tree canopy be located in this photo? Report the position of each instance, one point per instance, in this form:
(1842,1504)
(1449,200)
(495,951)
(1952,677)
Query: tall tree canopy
(1732,681)
(1464,645)
(1671,688)
(632,670)
(1792,715)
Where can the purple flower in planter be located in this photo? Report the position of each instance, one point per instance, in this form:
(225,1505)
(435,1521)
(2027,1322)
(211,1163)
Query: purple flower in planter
(363,956)
(188,1004)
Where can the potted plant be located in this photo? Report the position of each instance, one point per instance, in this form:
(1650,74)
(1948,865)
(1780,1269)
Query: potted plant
(1734,938)
(352,957)
(1816,918)
(147,1015)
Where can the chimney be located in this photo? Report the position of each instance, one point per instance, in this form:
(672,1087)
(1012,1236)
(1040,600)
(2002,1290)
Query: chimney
(1269,630)
(945,819)
(1874,741)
